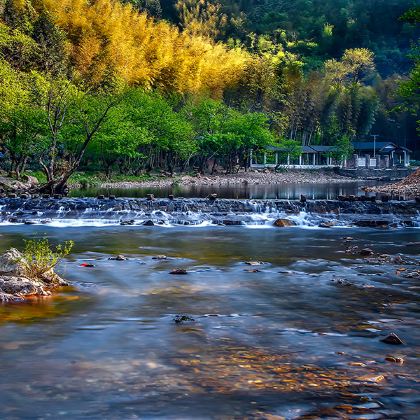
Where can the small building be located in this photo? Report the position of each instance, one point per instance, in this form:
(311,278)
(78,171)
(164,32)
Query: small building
(379,154)
(310,157)
(373,155)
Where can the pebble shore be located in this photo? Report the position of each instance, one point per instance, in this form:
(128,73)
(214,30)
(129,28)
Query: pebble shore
(244,178)
(409,187)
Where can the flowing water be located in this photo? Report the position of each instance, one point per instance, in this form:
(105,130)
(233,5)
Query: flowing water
(284,321)
(298,336)
(287,190)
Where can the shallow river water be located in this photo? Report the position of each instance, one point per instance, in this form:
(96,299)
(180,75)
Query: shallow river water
(298,336)
(286,190)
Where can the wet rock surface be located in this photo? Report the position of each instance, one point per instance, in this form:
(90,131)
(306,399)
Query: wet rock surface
(16,286)
(230,212)
(392,339)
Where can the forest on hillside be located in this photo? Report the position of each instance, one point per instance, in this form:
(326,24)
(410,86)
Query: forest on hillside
(138,85)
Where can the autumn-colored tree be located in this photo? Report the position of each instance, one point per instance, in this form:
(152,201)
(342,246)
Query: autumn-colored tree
(111,41)
(201,17)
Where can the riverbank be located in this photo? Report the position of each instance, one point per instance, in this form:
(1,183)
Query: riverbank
(241,178)
(409,187)
(82,180)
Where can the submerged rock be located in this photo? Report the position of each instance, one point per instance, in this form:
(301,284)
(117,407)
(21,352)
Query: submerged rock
(178,271)
(395,359)
(366,252)
(127,222)
(16,285)
(118,258)
(392,339)
(180,319)
(326,224)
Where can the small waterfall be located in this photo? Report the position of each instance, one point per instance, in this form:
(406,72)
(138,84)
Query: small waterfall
(204,212)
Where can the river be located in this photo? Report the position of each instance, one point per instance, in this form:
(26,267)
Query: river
(286,190)
(297,336)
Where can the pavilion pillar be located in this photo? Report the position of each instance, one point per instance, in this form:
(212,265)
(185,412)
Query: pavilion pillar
(300,160)
(288,159)
(313,159)
(356,160)
(265,158)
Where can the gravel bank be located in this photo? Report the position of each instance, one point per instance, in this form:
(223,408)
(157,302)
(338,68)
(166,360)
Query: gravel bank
(409,187)
(246,178)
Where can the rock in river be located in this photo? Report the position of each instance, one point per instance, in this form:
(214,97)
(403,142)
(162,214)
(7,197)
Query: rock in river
(392,339)
(16,285)
(179,271)
(366,252)
(118,258)
(180,319)
(284,223)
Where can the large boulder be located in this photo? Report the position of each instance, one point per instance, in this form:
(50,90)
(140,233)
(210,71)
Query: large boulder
(15,284)
(284,223)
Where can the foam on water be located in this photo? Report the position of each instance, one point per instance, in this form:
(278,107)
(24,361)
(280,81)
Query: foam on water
(257,214)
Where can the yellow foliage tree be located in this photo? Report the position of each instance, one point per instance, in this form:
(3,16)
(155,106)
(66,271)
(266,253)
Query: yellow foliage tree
(201,17)
(111,40)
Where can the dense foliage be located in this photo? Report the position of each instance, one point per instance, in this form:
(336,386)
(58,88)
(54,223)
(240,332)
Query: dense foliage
(114,85)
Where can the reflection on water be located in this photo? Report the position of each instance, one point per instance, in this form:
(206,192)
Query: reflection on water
(290,191)
(288,340)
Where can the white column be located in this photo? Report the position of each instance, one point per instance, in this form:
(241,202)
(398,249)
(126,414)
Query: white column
(288,159)
(277,158)
(300,160)
(313,159)
(265,158)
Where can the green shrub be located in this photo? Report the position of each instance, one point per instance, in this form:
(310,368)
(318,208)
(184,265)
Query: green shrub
(39,257)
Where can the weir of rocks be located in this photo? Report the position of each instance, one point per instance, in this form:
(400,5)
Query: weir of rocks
(205,211)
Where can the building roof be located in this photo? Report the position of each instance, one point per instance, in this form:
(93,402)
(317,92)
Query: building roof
(323,149)
(306,149)
(380,146)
